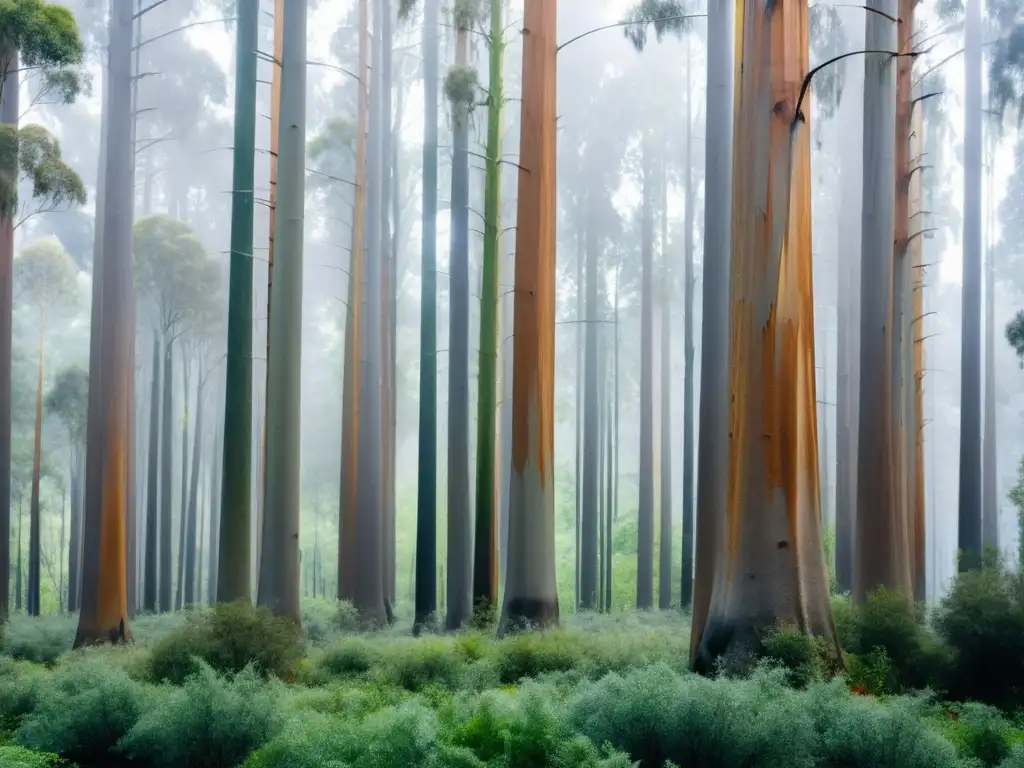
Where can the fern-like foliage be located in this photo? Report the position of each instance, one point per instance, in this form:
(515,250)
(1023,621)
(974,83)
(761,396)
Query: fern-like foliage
(664,16)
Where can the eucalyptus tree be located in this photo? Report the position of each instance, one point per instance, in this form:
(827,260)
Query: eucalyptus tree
(531,597)
(461,90)
(279,556)
(43,37)
(234,555)
(103,616)
(46,280)
(68,400)
(767,564)
(173,271)
(645,509)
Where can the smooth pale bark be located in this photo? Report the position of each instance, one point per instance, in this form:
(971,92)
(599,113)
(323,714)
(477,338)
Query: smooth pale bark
(880,517)
(193,528)
(32,601)
(186,369)
(152,486)
(531,592)
(352,380)
(77,475)
(212,586)
(713,432)
(591,487)
(969,540)
(104,612)
(234,563)
(9,112)
(131,532)
(279,557)
(851,164)
(459,580)
(665,518)
(369,595)
(166,460)
(426,502)
(686,585)
(645,512)
(916,248)
(770,567)
(989,499)
(485,535)
(578,408)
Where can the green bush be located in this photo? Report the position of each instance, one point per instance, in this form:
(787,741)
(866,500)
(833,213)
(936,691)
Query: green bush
(979,732)
(531,654)
(82,712)
(871,673)
(211,722)
(1015,759)
(416,664)
(805,657)
(42,639)
(981,619)
(346,617)
(19,757)
(229,638)
(349,658)
(19,690)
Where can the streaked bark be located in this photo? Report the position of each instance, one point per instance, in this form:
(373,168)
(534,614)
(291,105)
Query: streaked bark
(686,587)
(665,519)
(645,510)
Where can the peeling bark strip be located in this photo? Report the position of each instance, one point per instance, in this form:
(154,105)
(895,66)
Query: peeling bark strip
(770,566)
(531,595)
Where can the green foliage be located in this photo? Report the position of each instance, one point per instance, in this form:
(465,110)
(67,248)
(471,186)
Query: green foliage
(431,661)
(19,757)
(45,34)
(805,657)
(978,732)
(19,689)
(229,638)
(1016,497)
(350,658)
(465,14)
(171,267)
(665,16)
(43,639)
(1015,335)
(68,399)
(981,619)
(45,275)
(211,722)
(460,88)
(82,712)
(32,155)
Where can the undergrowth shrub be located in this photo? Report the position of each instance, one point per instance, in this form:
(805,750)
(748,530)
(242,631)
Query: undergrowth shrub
(531,654)
(414,665)
(42,639)
(978,731)
(981,619)
(229,638)
(210,722)
(351,657)
(81,712)
(806,658)
(18,757)
(19,687)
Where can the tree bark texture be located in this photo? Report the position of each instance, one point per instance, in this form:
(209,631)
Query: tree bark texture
(645,522)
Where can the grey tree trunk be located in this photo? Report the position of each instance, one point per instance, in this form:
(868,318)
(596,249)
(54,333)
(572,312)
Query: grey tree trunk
(153,485)
(989,489)
(848,311)
(192,530)
(459,582)
(215,515)
(279,559)
(969,533)
(645,512)
(591,487)
(166,460)
(186,376)
(879,516)
(713,432)
(77,472)
(665,536)
(369,586)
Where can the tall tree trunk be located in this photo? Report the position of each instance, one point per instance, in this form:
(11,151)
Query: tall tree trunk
(149,591)
(879,516)
(460,521)
(216,526)
(609,500)
(531,592)
(131,531)
(104,615)
(77,472)
(186,376)
(989,498)
(9,113)
(192,530)
(164,603)
(60,548)
(686,591)
(591,486)
(713,430)
(485,564)
(917,262)
(369,545)
(234,563)
(578,409)
(279,558)
(19,587)
(33,510)
(426,501)
(665,519)
(645,513)
(969,540)
(352,380)
(769,566)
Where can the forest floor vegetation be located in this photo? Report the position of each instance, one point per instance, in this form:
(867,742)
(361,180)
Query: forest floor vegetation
(233,686)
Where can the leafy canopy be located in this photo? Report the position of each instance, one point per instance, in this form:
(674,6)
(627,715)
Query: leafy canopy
(666,16)
(47,37)
(172,268)
(55,186)
(68,399)
(45,275)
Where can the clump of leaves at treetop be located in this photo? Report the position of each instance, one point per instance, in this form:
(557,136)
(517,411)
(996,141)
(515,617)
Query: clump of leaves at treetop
(1015,335)
(405,8)
(664,15)
(465,13)
(460,88)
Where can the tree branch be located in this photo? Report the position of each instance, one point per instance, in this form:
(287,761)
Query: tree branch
(627,24)
(798,115)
